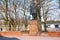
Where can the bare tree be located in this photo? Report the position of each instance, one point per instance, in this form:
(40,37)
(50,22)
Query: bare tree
(39,7)
(46,9)
(59,3)
(6,13)
(25,9)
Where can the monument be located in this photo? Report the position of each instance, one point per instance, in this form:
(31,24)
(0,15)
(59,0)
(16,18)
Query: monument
(34,21)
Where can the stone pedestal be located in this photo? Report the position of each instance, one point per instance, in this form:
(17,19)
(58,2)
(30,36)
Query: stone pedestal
(33,27)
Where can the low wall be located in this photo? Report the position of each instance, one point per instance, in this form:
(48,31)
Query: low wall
(25,33)
(52,34)
(55,34)
(10,33)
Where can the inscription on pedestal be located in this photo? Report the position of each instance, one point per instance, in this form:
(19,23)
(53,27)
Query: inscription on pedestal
(33,27)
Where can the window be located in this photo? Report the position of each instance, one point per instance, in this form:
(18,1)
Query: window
(56,26)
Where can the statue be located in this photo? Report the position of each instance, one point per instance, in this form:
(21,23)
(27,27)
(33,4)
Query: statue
(34,15)
(33,10)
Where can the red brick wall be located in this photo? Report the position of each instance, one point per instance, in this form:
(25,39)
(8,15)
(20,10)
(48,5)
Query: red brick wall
(54,34)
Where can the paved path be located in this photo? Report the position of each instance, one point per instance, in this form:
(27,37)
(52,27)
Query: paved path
(38,38)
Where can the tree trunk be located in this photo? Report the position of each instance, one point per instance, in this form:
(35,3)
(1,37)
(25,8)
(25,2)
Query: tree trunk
(45,26)
(45,21)
(40,23)
(39,14)
(6,14)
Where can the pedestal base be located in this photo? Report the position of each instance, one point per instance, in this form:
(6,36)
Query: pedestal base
(33,27)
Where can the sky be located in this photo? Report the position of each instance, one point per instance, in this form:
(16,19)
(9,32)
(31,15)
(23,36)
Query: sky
(56,14)
(53,17)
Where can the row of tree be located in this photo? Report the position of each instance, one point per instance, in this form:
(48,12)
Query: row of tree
(12,17)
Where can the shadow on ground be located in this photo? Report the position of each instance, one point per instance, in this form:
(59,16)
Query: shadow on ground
(6,38)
